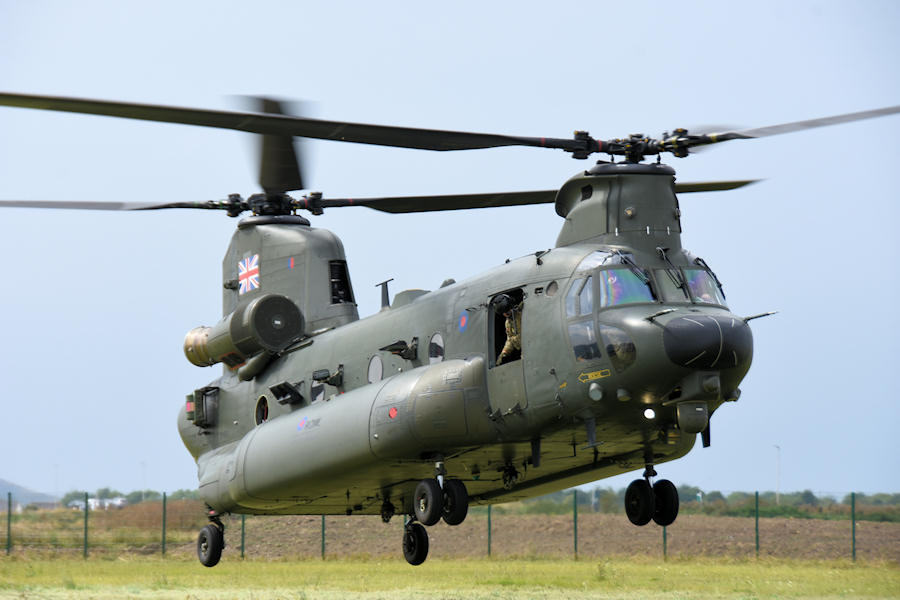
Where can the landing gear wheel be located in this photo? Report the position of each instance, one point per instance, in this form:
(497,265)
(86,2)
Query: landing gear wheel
(639,502)
(209,545)
(456,502)
(665,498)
(428,502)
(415,543)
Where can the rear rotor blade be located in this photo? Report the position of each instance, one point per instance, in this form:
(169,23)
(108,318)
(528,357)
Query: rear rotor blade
(279,166)
(77,205)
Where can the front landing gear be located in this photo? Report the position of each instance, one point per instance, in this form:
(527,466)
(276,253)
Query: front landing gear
(210,543)
(415,543)
(658,502)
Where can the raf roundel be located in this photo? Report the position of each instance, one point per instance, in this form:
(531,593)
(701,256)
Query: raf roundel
(463,321)
(393,412)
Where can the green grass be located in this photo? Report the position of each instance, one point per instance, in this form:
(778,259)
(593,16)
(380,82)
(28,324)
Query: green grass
(623,577)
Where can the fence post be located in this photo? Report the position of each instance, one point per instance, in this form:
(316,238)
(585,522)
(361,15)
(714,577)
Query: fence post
(757,525)
(489,529)
(323,537)
(164,525)
(853,521)
(8,522)
(575,521)
(85,551)
(243,524)
(665,544)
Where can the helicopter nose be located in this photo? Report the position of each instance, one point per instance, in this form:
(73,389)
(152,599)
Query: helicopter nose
(708,341)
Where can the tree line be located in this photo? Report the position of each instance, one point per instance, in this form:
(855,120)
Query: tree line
(135,497)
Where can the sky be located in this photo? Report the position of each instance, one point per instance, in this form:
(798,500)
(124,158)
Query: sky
(95,305)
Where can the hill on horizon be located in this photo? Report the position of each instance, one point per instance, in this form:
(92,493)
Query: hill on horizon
(22,495)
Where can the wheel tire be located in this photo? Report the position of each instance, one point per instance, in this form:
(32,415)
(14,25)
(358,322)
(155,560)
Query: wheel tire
(428,502)
(456,502)
(639,504)
(415,544)
(665,497)
(209,545)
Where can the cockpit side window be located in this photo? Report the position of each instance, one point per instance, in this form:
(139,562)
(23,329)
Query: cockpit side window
(703,287)
(623,286)
(584,340)
(580,299)
(598,258)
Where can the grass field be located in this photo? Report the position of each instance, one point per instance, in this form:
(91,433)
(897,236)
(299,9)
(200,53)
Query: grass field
(621,577)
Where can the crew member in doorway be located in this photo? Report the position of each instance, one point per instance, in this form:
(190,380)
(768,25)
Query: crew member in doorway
(512,349)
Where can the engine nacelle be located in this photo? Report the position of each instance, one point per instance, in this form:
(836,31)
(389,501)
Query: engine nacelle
(267,323)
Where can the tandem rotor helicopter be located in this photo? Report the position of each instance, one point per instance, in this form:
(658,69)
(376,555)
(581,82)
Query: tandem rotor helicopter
(608,353)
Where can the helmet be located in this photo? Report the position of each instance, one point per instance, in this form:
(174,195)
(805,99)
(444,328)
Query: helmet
(503,304)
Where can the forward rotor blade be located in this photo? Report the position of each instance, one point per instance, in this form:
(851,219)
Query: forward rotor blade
(56,204)
(404,137)
(712,186)
(814,123)
(758,132)
(279,166)
(410,204)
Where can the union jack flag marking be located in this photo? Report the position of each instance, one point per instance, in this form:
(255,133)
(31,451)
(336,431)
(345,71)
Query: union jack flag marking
(248,274)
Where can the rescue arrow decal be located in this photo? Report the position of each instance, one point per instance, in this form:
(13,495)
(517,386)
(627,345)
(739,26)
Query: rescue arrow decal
(585,377)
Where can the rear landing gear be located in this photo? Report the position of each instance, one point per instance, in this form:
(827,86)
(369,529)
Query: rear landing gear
(431,503)
(658,502)
(456,502)
(427,502)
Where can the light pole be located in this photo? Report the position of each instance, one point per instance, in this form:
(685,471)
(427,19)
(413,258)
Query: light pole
(143,479)
(777,474)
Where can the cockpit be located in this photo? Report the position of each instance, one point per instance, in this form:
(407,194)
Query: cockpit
(608,279)
(617,279)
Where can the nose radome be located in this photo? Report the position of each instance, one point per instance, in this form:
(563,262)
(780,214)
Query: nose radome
(708,341)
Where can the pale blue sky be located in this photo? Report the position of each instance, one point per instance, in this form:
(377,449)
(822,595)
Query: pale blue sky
(96,305)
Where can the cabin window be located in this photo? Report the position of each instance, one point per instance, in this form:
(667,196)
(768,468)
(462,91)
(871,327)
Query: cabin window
(341,293)
(436,349)
(623,286)
(584,341)
(703,287)
(376,369)
(262,410)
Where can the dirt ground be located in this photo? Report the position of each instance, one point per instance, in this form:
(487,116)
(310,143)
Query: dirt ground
(552,536)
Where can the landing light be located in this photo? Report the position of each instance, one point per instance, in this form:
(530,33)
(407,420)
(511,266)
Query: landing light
(649,414)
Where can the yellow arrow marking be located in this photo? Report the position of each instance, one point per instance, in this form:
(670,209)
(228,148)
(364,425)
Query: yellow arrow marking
(585,377)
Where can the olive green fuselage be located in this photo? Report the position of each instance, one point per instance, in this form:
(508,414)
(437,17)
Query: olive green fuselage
(572,409)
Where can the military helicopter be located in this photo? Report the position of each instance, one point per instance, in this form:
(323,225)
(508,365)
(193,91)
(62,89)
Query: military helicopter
(606,354)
